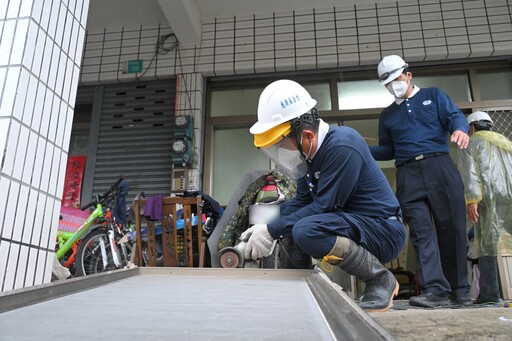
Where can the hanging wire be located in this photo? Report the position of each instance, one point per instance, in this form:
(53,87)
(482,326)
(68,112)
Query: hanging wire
(163,46)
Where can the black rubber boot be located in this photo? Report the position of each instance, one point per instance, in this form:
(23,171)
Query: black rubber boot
(489,287)
(380,284)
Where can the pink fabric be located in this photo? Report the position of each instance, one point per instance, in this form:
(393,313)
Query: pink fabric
(72,218)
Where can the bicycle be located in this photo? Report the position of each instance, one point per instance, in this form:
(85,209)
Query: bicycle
(93,247)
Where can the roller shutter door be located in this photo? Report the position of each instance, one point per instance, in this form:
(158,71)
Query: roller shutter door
(135,137)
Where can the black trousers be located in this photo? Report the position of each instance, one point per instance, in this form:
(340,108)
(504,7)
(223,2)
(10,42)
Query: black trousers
(431,194)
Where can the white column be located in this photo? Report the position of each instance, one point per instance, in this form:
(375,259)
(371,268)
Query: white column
(40,52)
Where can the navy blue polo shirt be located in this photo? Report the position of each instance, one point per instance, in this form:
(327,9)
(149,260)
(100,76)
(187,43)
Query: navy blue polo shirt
(418,125)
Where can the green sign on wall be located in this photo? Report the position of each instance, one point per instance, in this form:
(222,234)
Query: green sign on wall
(134,66)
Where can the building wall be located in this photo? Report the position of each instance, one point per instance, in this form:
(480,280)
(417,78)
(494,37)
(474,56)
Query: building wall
(40,52)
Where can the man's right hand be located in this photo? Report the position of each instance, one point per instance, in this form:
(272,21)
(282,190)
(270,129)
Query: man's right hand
(473,212)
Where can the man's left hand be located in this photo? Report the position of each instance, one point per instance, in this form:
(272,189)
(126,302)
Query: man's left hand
(473,212)
(259,242)
(460,138)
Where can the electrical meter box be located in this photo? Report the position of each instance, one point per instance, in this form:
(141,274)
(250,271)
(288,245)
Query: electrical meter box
(183,126)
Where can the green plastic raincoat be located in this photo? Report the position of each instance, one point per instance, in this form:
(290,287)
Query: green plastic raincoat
(486,169)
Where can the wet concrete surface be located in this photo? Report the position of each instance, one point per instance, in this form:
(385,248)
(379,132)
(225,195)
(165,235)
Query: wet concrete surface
(477,322)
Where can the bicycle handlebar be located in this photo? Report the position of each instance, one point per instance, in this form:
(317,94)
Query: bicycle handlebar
(101,197)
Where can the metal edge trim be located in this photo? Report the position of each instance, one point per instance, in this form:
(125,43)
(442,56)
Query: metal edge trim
(345,318)
(18,298)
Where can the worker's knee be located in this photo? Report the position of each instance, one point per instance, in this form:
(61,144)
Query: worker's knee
(309,240)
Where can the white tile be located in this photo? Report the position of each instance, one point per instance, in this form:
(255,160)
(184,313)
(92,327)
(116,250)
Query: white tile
(55,220)
(28,108)
(37,112)
(10,153)
(77,57)
(61,23)
(54,118)
(3,13)
(45,14)
(30,155)
(82,10)
(31,266)
(4,256)
(29,217)
(19,41)
(54,176)
(54,67)
(7,100)
(10,272)
(61,124)
(38,219)
(4,194)
(21,151)
(13,9)
(10,211)
(21,94)
(67,79)
(4,128)
(37,9)
(74,84)
(22,268)
(67,132)
(26,8)
(6,41)
(47,275)
(47,60)
(45,232)
(40,268)
(39,52)
(67,32)
(47,111)
(62,174)
(61,73)
(38,163)
(20,210)
(71,6)
(47,166)
(54,17)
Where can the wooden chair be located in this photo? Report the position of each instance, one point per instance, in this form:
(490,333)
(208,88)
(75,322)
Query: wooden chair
(178,245)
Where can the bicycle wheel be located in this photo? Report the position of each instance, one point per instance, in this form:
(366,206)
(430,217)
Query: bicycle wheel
(88,256)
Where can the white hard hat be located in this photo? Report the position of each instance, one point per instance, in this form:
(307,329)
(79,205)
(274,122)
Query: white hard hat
(390,67)
(280,102)
(479,116)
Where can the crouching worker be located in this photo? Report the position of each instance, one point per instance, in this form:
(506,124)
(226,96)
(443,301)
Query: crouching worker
(344,212)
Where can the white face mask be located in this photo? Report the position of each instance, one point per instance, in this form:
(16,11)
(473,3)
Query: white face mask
(397,88)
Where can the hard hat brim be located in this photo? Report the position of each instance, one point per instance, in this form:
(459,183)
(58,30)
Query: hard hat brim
(272,136)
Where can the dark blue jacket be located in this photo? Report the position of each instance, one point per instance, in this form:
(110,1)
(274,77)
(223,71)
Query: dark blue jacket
(342,176)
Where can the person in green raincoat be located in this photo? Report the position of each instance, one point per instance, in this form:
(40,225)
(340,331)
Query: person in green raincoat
(486,167)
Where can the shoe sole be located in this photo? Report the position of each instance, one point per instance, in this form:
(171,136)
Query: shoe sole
(390,304)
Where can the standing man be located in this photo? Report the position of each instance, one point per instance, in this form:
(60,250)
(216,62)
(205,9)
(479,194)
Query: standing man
(414,131)
(485,168)
(344,211)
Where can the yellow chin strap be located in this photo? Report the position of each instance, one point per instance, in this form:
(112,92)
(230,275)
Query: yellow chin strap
(272,136)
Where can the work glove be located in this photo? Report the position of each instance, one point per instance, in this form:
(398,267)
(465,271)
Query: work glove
(259,242)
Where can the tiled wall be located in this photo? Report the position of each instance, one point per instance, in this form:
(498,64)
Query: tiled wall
(40,51)
(344,36)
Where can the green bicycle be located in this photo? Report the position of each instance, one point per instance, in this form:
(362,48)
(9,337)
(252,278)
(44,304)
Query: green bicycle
(94,247)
